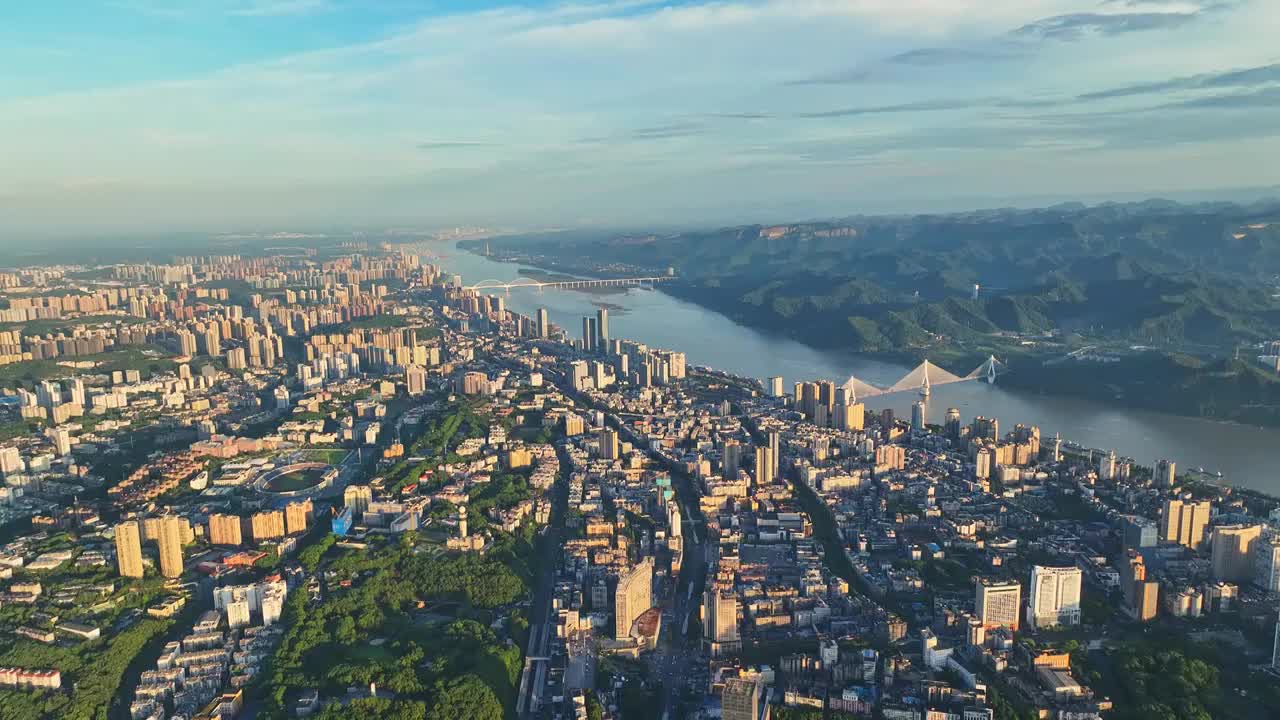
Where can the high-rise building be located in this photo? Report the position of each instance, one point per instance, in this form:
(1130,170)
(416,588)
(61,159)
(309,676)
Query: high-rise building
(952,423)
(61,438)
(1141,595)
(543,324)
(1140,533)
(1166,473)
(764,466)
(170,542)
(356,498)
(297,516)
(1275,650)
(602,329)
(731,458)
(1232,551)
(224,530)
(720,621)
(775,450)
(918,409)
(1184,522)
(10,460)
(1266,562)
(632,598)
(212,343)
(129,549)
(415,379)
(740,699)
(998,602)
(266,525)
(608,442)
(774,384)
(186,343)
(1055,596)
(589,334)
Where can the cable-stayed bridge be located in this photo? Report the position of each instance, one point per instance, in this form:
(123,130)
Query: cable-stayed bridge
(925,376)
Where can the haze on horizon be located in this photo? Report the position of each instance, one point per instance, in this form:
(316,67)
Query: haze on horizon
(149,115)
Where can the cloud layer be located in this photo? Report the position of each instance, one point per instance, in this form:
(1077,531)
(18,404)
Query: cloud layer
(245,114)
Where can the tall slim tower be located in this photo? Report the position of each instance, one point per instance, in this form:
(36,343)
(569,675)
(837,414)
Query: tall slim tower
(775,447)
(764,466)
(544,325)
(129,549)
(602,329)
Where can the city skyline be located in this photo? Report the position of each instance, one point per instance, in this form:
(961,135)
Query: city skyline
(313,113)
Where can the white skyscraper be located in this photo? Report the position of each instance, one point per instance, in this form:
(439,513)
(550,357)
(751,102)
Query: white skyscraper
(1055,597)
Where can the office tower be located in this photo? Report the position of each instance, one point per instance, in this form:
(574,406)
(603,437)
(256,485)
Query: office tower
(608,444)
(1232,551)
(998,602)
(720,621)
(1055,597)
(1184,522)
(731,454)
(774,384)
(415,379)
(1140,533)
(297,516)
(170,541)
(917,415)
(1166,473)
(952,423)
(266,525)
(543,324)
(740,699)
(632,598)
(775,450)
(602,330)
(356,498)
(224,530)
(589,334)
(129,549)
(764,466)
(1266,562)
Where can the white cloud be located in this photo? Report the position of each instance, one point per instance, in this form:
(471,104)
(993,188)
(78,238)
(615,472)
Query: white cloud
(476,107)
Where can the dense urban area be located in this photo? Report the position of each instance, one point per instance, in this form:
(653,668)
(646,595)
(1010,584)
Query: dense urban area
(340,482)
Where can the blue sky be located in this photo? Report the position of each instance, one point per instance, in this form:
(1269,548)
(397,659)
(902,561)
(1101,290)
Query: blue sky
(156,115)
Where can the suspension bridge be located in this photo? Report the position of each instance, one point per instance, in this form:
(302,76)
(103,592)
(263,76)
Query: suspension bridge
(574,284)
(926,376)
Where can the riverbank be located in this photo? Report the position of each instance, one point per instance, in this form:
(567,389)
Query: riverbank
(1223,390)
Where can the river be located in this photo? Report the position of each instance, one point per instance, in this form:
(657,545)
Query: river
(1246,456)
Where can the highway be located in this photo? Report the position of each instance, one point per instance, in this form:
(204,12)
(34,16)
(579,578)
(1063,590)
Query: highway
(542,621)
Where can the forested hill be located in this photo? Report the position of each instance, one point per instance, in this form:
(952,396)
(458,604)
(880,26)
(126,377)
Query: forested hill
(1155,272)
